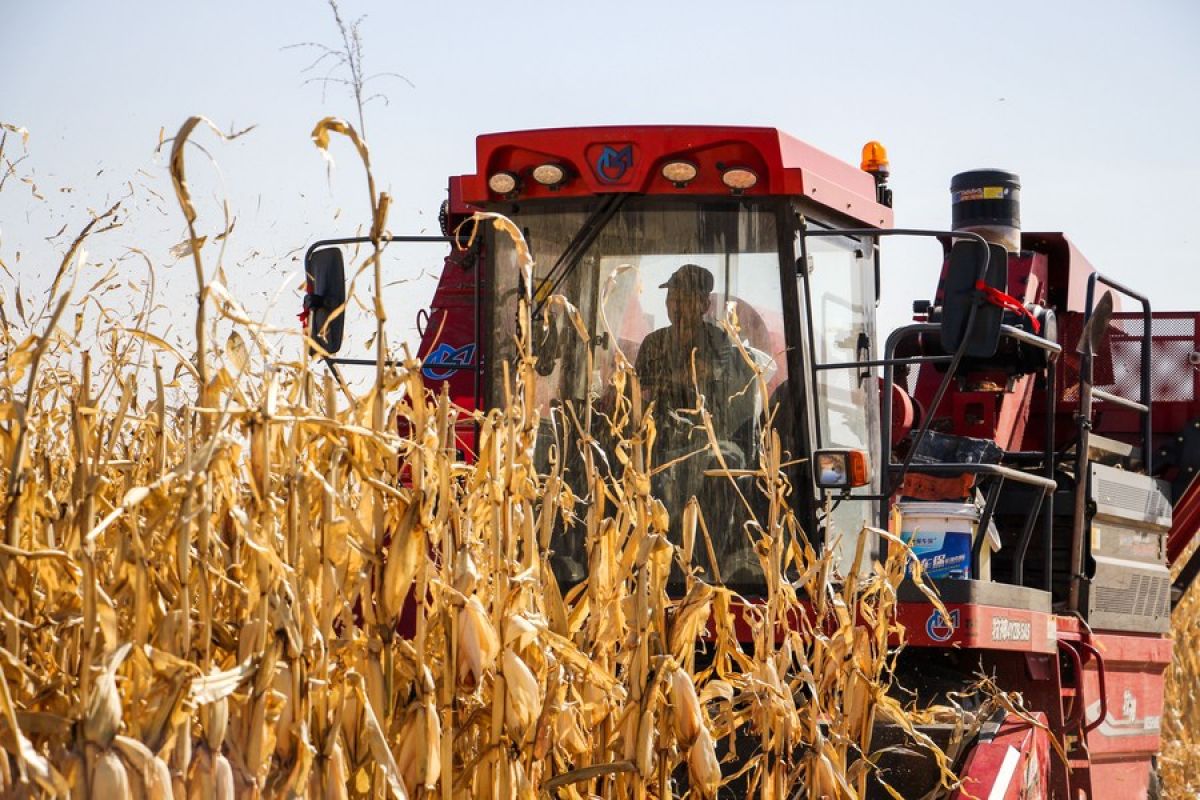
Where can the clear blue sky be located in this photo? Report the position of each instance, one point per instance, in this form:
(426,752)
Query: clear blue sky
(1093,103)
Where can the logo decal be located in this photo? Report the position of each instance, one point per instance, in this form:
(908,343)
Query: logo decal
(446,360)
(612,164)
(939,628)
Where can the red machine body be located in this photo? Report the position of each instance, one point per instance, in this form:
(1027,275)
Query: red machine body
(1095,694)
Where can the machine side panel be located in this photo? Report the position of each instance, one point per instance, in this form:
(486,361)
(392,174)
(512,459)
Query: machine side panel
(978,627)
(1125,725)
(1010,765)
(1130,587)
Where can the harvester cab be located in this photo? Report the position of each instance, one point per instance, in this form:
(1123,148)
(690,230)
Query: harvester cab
(1006,435)
(682,254)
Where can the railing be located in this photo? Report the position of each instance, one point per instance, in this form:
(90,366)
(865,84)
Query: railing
(459,241)
(1144,373)
(1045,482)
(1087,392)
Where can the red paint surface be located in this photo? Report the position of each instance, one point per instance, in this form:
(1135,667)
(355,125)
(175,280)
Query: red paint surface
(984,774)
(784,166)
(1122,744)
(1185,523)
(979,627)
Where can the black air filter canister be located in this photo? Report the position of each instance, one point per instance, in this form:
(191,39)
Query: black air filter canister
(988,202)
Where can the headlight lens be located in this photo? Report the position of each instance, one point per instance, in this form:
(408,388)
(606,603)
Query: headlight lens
(679,171)
(549,174)
(503,183)
(842,469)
(739,178)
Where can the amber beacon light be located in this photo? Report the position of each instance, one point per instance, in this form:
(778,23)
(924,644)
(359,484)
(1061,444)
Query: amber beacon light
(875,163)
(874,158)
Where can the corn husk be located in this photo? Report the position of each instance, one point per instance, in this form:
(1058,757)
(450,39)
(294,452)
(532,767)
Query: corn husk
(237,576)
(685,706)
(523,696)
(478,643)
(703,768)
(149,776)
(109,777)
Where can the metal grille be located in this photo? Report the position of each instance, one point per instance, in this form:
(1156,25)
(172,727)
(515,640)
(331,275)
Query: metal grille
(1117,367)
(1142,503)
(910,383)
(1147,596)
(1114,601)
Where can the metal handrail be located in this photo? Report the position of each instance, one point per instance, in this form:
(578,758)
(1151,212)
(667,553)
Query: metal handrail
(990,470)
(461,241)
(1108,397)
(1086,392)
(1046,483)
(1144,371)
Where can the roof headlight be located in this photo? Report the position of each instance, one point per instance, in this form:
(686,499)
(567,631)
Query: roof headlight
(503,183)
(679,172)
(739,178)
(549,174)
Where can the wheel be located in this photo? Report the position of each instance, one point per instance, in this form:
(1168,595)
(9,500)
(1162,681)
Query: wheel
(1153,785)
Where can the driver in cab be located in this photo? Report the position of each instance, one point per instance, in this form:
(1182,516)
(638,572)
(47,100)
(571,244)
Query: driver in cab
(690,355)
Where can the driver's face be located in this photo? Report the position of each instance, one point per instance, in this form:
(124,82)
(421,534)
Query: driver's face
(686,306)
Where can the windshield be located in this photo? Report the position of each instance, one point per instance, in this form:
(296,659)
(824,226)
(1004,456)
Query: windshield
(662,283)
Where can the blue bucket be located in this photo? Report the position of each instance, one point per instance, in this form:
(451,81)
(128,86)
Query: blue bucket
(940,535)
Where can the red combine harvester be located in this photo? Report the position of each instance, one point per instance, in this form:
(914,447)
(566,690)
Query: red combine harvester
(1015,434)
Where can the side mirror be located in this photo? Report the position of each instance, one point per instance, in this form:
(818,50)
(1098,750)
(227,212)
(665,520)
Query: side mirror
(841,469)
(959,295)
(325,294)
(1092,338)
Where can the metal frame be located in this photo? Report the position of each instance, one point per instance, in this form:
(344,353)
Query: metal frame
(891,473)
(1085,362)
(1084,422)
(815,367)
(1046,482)
(460,241)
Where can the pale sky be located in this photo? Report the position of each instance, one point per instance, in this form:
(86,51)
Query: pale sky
(1094,104)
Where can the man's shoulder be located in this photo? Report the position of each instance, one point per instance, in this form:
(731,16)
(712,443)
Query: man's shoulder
(715,330)
(657,340)
(717,336)
(658,335)
(654,345)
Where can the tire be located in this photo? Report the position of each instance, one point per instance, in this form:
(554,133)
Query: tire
(1154,785)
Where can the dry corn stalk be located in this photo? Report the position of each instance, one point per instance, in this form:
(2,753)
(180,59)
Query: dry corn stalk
(1179,761)
(206,586)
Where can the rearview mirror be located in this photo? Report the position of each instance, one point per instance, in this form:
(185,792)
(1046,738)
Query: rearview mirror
(326,294)
(959,294)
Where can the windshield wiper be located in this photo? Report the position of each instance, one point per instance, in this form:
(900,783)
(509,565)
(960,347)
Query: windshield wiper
(584,238)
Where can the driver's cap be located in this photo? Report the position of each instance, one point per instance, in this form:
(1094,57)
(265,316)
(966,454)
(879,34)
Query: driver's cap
(690,277)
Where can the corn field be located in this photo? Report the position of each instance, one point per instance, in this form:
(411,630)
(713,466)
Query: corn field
(1179,762)
(206,557)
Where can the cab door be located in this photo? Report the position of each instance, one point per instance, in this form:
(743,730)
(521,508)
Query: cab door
(837,289)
